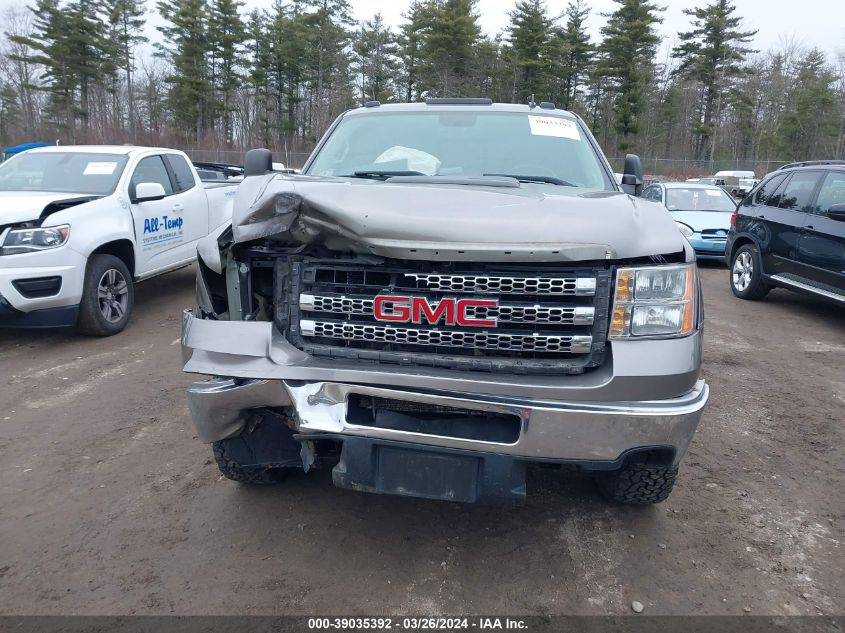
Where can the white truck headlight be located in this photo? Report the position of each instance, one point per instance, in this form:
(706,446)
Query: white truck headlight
(34,239)
(655,301)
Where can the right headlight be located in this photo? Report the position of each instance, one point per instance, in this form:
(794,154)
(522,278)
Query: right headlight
(655,302)
(685,230)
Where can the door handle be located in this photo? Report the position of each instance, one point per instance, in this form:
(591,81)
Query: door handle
(809,228)
(178,208)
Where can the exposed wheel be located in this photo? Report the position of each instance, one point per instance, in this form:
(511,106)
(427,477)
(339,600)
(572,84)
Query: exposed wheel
(747,274)
(256,475)
(638,484)
(108,295)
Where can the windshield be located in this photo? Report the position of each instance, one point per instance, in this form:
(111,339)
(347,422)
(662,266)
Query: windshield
(66,172)
(542,148)
(698,199)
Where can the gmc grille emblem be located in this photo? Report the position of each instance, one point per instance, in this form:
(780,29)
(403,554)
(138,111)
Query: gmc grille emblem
(405,309)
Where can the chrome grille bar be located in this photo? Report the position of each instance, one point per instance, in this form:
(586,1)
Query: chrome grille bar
(574,286)
(573,344)
(509,313)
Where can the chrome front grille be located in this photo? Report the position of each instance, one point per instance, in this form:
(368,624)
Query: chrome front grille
(547,319)
(446,338)
(509,313)
(581,286)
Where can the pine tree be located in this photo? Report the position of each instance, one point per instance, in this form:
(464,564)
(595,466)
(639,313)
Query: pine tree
(259,52)
(409,42)
(376,63)
(226,32)
(528,37)
(627,60)
(712,53)
(126,24)
(186,47)
(450,33)
(85,43)
(810,117)
(572,54)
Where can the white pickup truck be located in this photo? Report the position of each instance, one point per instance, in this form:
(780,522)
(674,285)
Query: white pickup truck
(80,224)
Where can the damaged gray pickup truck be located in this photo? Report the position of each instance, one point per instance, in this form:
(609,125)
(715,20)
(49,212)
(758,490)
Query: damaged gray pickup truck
(449,292)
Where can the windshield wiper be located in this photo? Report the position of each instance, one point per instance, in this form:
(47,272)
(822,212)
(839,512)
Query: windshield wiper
(381,174)
(547,179)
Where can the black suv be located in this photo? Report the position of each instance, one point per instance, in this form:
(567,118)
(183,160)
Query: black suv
(789,232)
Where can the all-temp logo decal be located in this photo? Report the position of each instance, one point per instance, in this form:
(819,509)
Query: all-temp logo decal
(161,230)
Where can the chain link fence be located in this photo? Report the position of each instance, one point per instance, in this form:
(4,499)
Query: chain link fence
(679,169)
(293,160)
(669,168)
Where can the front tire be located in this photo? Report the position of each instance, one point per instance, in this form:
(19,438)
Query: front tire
(638,483)
(747,274)
(108,296)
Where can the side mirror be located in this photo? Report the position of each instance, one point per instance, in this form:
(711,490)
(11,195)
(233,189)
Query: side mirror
(149,191)
(837,212)
(632,178)
(258,162)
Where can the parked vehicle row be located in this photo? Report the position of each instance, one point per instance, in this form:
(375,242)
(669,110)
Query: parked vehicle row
(80,225)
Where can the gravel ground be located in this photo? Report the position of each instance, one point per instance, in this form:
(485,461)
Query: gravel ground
(110,504)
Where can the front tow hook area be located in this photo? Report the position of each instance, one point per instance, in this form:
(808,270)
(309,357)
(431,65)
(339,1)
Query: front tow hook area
(395,468)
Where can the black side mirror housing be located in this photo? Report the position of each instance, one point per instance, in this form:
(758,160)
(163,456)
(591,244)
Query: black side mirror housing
(837,212)
(258,162)
(632,175)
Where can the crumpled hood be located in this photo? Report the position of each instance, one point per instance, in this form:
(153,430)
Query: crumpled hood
(703,220)
(444,222)
(24,206)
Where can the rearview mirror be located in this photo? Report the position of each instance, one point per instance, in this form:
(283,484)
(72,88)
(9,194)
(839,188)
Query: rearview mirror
(149,191)
(836,212)
(632,177)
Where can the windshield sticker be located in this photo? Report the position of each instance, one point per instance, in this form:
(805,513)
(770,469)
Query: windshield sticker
(99,169)
(553,126)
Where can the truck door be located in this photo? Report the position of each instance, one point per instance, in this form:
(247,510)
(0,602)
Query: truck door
(164,232)
(192,205)
(822,249)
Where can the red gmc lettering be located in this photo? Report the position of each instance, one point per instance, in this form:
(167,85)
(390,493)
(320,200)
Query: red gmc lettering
(420,306)
(401,309)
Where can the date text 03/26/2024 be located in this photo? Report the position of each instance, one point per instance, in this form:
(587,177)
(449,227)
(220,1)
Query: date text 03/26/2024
(417,624)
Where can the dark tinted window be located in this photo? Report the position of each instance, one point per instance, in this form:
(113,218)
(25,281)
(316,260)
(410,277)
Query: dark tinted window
(182,175)
(799,190)
(150,169)
(766,190)
(832,192)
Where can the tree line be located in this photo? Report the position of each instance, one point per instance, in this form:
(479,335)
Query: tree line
(218,77)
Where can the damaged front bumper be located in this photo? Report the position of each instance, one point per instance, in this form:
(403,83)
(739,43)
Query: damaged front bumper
(591,419)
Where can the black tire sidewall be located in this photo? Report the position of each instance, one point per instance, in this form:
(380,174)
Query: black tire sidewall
(756,288)
(91,320)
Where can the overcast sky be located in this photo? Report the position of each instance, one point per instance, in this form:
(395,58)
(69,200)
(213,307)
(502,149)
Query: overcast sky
(818,23)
